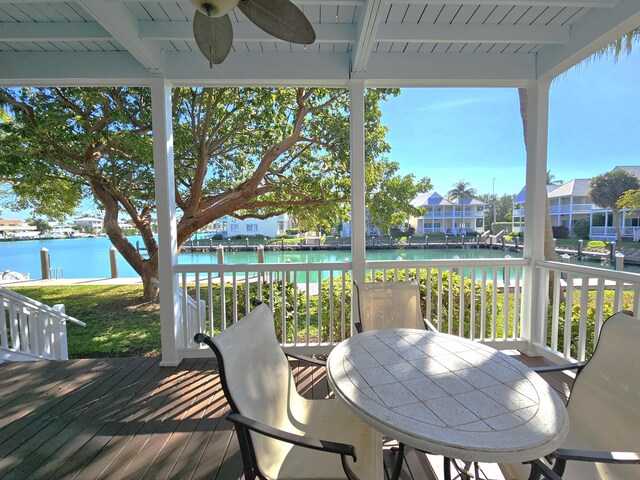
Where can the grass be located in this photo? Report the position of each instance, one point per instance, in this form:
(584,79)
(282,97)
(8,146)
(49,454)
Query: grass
(119,322)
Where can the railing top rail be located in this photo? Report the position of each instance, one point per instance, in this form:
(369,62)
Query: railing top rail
(448,262)
(30,302)
(260,267)
(592,271)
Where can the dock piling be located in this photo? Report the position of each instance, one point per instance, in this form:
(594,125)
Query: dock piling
(113,262)
(44,263)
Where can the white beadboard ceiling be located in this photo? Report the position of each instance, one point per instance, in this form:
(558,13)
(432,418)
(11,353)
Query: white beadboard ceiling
(383,42)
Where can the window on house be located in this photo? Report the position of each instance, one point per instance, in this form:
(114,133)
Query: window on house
(234,227)
(252,227)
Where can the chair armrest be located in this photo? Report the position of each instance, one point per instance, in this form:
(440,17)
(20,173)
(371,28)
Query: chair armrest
(306,359)
(342,449)
(543,469)
(558,368)
(596,456)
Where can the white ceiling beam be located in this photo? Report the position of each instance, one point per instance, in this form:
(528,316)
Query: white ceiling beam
(467,33)
(594,31)
(45,69)
(276,69)
(122,25)
(53,31)
(244,32)
(370,18)
(523,3)
(442,70)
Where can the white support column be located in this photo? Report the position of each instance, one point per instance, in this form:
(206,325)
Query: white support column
(358,187)
(167,237)
(570,214)
(533,314)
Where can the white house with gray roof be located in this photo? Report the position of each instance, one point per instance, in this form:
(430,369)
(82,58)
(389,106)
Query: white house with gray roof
(570,202)
(448,216)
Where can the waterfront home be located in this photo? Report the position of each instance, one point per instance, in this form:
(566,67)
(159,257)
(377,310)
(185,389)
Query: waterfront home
(89,222)
(570,202)
(229,226)
(448,216)
(17,229)
(361,44)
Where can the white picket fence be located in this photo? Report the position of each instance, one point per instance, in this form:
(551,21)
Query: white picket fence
(30,329)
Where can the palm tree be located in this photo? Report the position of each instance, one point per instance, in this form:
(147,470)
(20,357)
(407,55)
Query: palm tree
(461,190)
(551,179)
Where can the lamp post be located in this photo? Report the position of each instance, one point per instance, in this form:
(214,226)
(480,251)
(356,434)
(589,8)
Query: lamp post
(494,199)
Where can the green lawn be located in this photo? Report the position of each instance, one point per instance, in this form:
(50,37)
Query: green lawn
(119,322)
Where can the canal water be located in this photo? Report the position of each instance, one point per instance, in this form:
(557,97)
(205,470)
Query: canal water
(89,257)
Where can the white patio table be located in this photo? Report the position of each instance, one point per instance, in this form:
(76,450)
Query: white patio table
(448,396)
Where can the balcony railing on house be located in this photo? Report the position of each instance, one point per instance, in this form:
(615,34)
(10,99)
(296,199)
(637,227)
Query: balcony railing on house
(479,299)
(30,329)
(566,209)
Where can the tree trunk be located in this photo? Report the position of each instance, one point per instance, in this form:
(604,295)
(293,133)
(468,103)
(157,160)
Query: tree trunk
(146,268)
(616,223)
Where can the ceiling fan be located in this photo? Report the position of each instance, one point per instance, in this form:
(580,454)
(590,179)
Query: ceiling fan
(213,32)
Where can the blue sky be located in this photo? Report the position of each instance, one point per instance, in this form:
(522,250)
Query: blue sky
(476,135)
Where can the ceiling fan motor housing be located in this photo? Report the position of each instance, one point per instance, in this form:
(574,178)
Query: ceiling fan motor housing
(215,8)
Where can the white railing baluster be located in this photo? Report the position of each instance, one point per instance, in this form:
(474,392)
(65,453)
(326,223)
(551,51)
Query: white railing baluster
(450,303)
(599,309)
(234,297)
(494,302)
(4,318)
(295,309)
(331,305)
(568,317)
(247,293)
(308,319)
(210,298)
(223,302)
(516,303)
(319,307)
(461,311)
(483,306)
(557,287)
(505,299)
(472,313)
(582,326)
(619,296)
(343,310)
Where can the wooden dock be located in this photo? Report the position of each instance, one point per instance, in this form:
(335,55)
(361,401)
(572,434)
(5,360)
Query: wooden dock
(129,418)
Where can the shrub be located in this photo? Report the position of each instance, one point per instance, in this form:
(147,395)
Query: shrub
(292,231)
(560,232)
(581,229)
(596,244)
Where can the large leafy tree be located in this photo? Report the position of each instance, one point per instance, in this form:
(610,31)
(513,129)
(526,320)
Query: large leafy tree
(503,205)
(245,152)
(461,191)
(607,189)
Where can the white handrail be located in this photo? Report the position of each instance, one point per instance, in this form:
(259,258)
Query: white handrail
(32,328)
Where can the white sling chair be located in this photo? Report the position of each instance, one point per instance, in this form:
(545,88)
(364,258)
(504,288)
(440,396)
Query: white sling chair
(604,411)
(389,305)
(283,435)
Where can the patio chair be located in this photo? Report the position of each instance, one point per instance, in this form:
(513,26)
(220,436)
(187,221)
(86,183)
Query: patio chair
(389,305)
(283,435)
(603,408)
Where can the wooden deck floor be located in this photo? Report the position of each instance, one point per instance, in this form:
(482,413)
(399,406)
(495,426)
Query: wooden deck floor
(129,418)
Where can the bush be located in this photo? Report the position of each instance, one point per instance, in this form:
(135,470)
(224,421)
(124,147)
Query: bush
(560,232)
(581,229)
(292,231)
(217,236)
(596,244)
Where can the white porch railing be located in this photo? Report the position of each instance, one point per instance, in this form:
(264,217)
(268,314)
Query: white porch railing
(312,308)
(487,309)
(33,329)
(578,301)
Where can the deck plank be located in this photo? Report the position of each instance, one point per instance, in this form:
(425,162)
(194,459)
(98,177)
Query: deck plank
(132,419)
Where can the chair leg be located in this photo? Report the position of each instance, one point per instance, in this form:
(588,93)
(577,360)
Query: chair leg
(398,466)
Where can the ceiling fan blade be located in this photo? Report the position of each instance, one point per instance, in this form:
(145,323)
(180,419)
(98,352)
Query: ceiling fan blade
(279,18)
(213,36)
